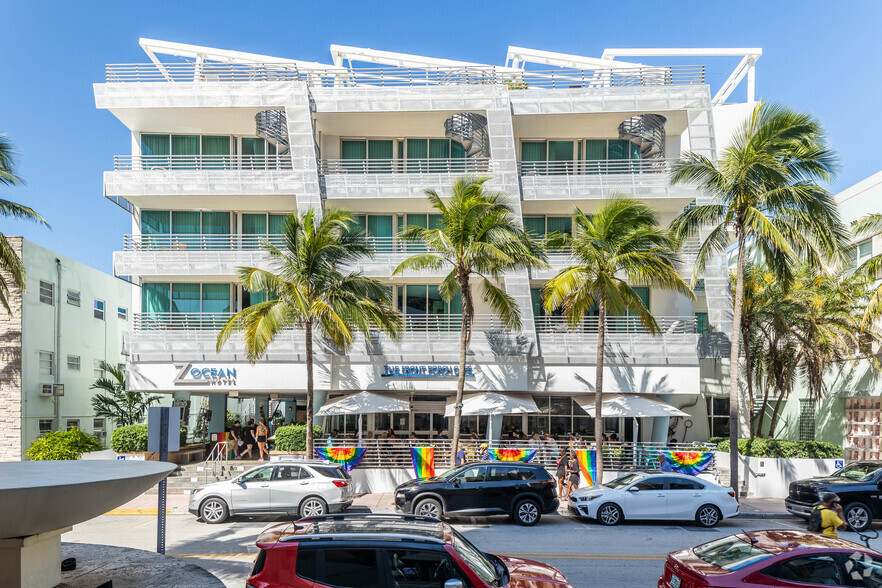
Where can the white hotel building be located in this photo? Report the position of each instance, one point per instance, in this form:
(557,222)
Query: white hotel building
(225,143)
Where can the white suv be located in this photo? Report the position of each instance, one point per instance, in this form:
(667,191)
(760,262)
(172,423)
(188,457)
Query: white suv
(294,488)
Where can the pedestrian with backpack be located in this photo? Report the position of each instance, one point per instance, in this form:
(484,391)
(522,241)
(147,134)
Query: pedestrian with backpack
(827,516)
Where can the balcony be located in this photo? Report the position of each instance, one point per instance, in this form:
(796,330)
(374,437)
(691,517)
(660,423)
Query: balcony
(576,180)
(135,176)
(394,178)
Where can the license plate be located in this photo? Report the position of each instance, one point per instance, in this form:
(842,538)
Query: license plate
(675,581)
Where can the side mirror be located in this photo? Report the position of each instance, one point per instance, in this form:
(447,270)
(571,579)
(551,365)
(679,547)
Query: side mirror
(453,584)
(455,482)
(633,489)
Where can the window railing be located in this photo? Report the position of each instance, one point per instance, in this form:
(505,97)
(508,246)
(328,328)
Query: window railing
(190,242)
(201,162)
(668,325)
(400,76)
(405,166)
(595,167)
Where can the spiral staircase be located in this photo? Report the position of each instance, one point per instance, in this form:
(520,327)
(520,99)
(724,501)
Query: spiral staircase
(646,131)
(469,129)
(273,126)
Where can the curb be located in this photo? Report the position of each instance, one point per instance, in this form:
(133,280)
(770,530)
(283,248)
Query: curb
(765,515)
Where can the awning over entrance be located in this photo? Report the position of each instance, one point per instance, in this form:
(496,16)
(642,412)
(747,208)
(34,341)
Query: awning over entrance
(363,402)
(487,403)
(630,405)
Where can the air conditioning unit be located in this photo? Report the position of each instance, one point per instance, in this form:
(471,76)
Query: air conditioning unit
(59,389)
(46,390)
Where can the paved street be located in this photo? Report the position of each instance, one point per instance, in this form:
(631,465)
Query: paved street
(590,555)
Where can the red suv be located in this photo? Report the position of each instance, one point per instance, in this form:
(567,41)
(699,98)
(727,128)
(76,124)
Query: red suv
(386,551)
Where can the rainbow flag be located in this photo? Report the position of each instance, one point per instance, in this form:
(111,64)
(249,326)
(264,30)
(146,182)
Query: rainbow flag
(587,459)
(687,462)
(347,457)
(511,454)
(423,461)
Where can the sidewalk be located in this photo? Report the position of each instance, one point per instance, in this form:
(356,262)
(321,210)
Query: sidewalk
(763,508)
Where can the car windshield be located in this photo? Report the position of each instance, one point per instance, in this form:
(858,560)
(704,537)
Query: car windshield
(731,553)
(448,474)
(623,481)
(861,472)
(476,559)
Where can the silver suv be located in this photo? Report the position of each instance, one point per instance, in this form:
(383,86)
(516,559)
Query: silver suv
(294,488)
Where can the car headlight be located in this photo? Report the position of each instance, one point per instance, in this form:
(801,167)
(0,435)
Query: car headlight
(197,490)
(588,498)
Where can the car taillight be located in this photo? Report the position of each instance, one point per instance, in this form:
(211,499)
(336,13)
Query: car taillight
(341,483)
(732,494)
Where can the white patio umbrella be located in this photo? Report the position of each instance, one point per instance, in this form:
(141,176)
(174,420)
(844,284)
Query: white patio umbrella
(363,402)
(630,405)
(492,403)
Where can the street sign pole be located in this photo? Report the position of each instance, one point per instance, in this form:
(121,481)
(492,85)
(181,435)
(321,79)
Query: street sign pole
(163,435)
(163,456)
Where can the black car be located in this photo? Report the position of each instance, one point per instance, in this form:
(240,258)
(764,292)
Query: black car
(522,490)
(858,485)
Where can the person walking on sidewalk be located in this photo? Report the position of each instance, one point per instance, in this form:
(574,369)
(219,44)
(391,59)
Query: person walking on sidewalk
(561,473)
(236,434)
(262,433)
(572,473)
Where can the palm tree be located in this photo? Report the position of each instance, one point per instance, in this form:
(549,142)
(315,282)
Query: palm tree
(479,238)
(307,288)
(124,407)
(622,243)
(10,263)
(765,191)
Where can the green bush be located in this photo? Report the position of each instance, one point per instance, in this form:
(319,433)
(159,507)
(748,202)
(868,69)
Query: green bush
(718,440)
(779,448)
(133,439)
(63,445)
(293,437)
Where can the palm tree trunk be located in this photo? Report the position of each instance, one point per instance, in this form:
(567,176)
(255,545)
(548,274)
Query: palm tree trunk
(734,355)
(464,340)
(762,415)
(310,442)
(598,390)
(749,371)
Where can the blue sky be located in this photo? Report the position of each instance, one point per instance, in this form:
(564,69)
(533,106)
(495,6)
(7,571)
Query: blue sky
(821,57)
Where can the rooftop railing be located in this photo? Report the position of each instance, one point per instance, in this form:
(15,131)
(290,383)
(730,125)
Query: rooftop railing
(605,166)
(397,76)
(200,162)
(404,166)
(668,325)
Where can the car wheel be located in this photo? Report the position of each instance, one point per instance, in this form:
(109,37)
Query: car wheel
(708,515)
(214,511)
(858,516)
(527,513)
(313,507)
(609,514)
(428,508)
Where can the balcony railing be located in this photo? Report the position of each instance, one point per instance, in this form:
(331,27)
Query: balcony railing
(200,162)
(404,166)
(188,242)
(605,166)
(399,76)
(615,325)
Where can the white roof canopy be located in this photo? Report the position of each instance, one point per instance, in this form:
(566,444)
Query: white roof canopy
(363,402)
(630,405)
(487,403)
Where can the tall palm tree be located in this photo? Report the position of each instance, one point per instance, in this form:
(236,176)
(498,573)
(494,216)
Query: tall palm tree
(765,190)
(622,243)
(306,287)
(479,238)
(10,263)
(124,407)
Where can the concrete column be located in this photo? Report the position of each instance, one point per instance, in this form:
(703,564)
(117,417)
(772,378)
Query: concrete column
(217,404)
(494,426)
(319,398)
(660,424)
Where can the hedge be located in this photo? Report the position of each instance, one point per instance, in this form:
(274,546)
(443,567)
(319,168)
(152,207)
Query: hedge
(64,445)
(293,437)
(133,439)
(759,447)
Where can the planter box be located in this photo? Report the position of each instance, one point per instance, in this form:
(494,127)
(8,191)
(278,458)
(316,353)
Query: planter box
(770,477)
(187,454)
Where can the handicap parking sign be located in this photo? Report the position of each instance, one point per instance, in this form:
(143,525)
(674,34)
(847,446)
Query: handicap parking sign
(839,464)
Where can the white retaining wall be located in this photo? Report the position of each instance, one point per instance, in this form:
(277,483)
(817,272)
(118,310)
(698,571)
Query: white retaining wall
(766,477)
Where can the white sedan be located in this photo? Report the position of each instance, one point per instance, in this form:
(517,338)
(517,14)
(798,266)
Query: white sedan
(659,496)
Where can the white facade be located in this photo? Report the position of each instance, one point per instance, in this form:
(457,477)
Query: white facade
(225,137)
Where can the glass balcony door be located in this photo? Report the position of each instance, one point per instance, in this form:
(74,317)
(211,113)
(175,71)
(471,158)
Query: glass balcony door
(424,308)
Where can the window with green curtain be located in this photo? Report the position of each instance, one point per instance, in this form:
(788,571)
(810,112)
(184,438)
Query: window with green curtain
(155,222)
(560,224)
(418,220)
(701,323)
(155,150)
(214,152)
(439,149)
(560,156)
(380,226)
(533,153)
(535,226)
(253,224)
(417,149)
(256,297)
(155,297)
(355,151)
(277,227)
(380,156)
(360,221)
(455,306)
(400,149)
(415,299)
(595,150)
(216,223)
(253,151)
(536,299)
(436,221)
(215,298)
(634,149)
(184,145)
(185,228)
(618,150)
(185,298)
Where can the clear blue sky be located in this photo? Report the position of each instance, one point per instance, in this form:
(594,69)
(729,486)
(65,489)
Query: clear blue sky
(819,56)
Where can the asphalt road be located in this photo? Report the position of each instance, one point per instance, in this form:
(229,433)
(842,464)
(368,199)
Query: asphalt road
(629,555)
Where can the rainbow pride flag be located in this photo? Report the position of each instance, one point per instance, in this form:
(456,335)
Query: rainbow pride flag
(347,457)
(687,462)
(511,454)
(587,459)
(423,461)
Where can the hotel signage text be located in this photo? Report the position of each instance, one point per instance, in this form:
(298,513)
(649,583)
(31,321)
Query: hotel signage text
(425,371)
(190,375)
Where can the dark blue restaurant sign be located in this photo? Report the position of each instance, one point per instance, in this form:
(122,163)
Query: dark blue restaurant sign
(425,371)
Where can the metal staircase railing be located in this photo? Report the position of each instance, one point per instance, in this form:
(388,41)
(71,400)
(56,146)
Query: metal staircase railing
(469,129)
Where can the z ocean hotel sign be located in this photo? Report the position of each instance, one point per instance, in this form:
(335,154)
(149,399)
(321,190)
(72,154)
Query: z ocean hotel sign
(425,371)
(190,375)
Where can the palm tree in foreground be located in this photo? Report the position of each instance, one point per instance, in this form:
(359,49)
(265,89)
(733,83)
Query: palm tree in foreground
(10,263)
(124,407)
(480,238)
(765,191)
(622,243)
(307,288)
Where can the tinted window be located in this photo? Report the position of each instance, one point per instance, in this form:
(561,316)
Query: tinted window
(307,564)
(863,472)
(651,484)
(521,474)
(331,472)
(414,568)
(290,473)
(351,568)
(811,569)
(623,481)
(499,473)
(261,475)
(473,474)
(684,484)
(864,570)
